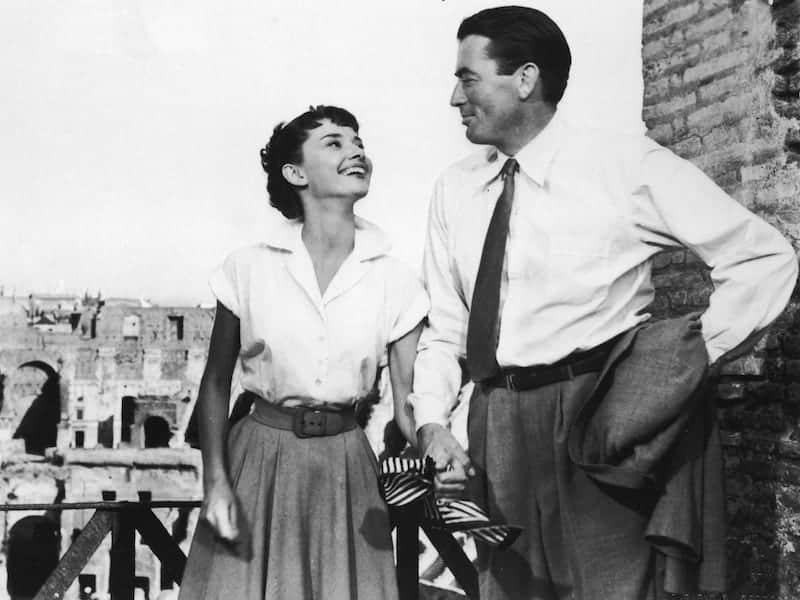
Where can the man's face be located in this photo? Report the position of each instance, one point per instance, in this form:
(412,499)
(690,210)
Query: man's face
(489,103)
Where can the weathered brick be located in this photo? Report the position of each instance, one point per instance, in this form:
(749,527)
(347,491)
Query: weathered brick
(678,298)
(764,392)
(758,172)
(731,391)
(710,5)
(719,87)
(660,133)
(652,6)
(787,108)
(699,29)
(773,193)
(658,23)
(688,147)
(656,90)
(670,106)
(792,395)
(721,39)
(692,258)
(721,137)
(677,257)
(730,109)
(653,48)
(673,61)
(700,297)
(792,369)
(709,68)
(787,86)
(746,366)
(661,260)
(660,305)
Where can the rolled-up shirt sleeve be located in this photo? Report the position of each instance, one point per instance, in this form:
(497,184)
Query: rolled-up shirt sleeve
(407,301)
(753,267)
(224,284)
(437,373)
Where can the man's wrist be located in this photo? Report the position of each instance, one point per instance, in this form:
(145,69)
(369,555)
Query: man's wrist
(426,433)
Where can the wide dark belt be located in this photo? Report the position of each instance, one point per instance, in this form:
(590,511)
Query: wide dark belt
(305,421)
(526,378)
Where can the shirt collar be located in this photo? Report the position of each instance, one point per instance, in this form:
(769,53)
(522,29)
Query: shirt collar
(370,241)
(537,155)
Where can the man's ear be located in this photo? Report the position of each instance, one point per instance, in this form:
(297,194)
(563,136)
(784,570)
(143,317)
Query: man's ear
(294,175)
(528,78)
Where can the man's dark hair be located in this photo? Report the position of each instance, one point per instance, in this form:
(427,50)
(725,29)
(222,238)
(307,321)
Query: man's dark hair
(520,35)
(286,147)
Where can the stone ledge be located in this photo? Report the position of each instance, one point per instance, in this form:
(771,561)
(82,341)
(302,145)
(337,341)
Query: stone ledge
(783,448)
(130,457)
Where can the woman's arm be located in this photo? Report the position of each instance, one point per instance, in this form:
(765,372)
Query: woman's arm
(219,502)
(402,354)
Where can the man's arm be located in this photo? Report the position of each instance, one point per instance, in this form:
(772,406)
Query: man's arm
(437,373)
(753,267)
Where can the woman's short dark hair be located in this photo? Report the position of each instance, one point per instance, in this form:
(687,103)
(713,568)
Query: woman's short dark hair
(286,147)
(520,35)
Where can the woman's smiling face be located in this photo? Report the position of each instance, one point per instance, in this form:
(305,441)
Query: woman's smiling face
(334,163)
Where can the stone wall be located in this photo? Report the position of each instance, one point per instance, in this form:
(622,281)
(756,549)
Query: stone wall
(722,83)
(81,476)
(152,354)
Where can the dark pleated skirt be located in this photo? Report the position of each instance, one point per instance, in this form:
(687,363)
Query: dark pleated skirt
(318,526)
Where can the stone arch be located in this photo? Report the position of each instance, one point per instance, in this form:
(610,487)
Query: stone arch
(38,426)
(128,418)
(33,545)
(156,432)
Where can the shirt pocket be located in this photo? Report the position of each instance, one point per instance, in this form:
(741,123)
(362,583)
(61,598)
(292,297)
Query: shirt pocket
(580,247)
(578,271)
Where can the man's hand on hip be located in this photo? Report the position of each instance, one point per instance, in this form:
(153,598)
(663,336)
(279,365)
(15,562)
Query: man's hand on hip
(452,463)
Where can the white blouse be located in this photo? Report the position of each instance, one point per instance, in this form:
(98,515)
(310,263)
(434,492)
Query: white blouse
(302,348)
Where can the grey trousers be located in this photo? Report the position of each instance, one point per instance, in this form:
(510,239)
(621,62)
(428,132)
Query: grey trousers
(580,541)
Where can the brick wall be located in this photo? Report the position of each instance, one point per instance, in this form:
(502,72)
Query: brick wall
(722,83)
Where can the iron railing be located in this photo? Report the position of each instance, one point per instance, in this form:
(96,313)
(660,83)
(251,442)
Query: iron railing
(123,518)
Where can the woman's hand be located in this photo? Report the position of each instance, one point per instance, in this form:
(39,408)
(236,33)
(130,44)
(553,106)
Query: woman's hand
(221,511)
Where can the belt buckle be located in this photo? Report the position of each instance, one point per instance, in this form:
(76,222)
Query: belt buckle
(511,383)
(309,422)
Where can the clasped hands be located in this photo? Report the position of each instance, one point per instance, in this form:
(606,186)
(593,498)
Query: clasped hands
(453,467)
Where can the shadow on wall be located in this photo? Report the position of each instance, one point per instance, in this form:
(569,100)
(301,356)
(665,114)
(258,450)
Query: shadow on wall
(33,550)
(39,424)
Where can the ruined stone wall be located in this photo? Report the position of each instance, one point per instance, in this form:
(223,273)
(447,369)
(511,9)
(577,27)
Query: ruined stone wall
(81,476)
(722,83)
(152,353)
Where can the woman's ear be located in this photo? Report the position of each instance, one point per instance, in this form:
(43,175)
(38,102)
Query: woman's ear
(528,78)
(294,175)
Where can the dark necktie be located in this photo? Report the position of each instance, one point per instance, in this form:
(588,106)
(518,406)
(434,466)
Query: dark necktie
(482,331)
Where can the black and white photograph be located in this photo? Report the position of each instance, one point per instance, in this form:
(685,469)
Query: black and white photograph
(425,300)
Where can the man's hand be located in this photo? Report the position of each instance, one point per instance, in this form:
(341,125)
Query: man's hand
(452,463)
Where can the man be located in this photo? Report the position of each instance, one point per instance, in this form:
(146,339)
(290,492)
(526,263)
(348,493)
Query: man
(537,259)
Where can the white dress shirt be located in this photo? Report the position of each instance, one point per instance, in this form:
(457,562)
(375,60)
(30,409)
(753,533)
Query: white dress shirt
(300,347)
(589,213)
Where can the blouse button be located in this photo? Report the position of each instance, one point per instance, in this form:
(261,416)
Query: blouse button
(318,382)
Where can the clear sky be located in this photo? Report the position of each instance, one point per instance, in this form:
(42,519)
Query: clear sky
(130,129)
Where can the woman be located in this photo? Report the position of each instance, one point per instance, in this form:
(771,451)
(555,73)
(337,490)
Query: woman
(292,507)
